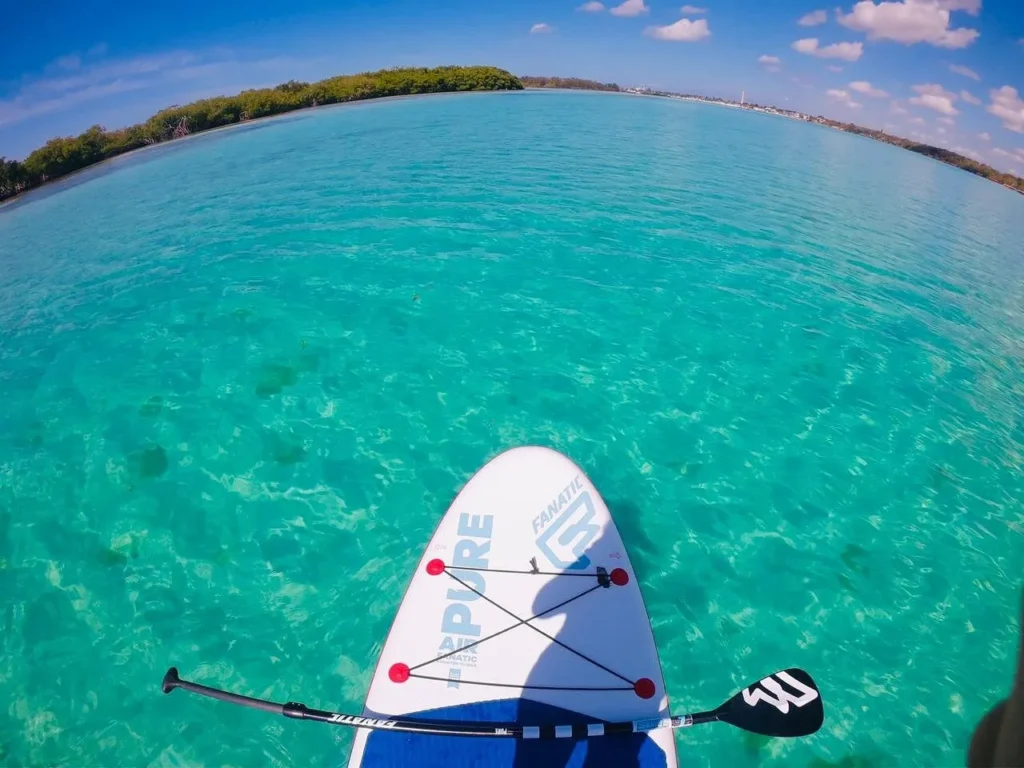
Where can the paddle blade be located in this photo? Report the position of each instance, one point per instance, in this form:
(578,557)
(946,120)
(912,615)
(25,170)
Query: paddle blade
(171,680)
(784,704)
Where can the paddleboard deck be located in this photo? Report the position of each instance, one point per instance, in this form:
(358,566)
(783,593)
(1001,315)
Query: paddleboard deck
(524,608)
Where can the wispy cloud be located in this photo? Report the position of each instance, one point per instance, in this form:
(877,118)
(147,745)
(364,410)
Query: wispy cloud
(683,31)
(64,89)
(834,68)
(813,19)
(630,8)
(770,63)
(985,136)
(594,6)
(843,97)
(968,152)
(864,87)
(965,71)
(72,82)
(541,29)
(68,62)
(1013,154)
(694,10)
(844,51)
(970,98)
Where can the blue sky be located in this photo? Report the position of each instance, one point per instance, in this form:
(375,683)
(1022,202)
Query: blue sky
(949,72)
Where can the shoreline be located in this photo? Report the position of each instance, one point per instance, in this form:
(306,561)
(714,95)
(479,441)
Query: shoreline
(857,130)
(54,186)
(76,177)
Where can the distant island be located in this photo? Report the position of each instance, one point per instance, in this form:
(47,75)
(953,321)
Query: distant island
(566,82)
(62,156)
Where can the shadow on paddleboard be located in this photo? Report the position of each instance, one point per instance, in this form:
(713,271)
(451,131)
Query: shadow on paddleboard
(583,624)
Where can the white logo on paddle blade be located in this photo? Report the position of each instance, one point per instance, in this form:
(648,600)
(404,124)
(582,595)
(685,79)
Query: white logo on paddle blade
(777,696)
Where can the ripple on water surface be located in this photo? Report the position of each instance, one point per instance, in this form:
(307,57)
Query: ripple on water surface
(243,375)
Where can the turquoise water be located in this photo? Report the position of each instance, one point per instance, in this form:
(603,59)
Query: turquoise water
(243,375)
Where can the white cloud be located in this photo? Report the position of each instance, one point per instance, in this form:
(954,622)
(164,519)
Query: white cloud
(972,7)
(813,19)
(862,86)
(916,120)
(693,9)
(594,6)
(1008,107)
(912,21)
(970,98)
(768,59)
(940,130)
(845,51)
(683,31)
(936,98)
(965,71)
(1001,152)
(985,136)
(541,29)
(946,120)
(630,8)
(834,68)
(897,109)
(843,97)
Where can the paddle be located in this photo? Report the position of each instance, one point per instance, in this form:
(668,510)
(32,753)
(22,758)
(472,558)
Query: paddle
(785,704)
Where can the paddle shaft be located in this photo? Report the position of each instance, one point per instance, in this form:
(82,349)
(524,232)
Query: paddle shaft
(506,730)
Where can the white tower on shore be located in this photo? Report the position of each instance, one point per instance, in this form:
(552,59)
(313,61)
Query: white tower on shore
(743,97)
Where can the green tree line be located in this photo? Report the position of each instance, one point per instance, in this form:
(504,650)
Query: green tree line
(938,153)
(567,82)
(61,156)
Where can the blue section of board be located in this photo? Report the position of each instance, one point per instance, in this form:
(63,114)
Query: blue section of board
(389,749)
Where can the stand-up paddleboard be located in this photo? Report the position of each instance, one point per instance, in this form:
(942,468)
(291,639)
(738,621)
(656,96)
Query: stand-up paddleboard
(523,609)
(523,641)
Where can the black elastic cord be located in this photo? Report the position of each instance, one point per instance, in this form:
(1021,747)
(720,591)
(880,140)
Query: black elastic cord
(525,573)
(516,685)
(555,640)
(506,629)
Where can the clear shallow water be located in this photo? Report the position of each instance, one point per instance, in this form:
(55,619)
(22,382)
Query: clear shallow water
(243,375)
